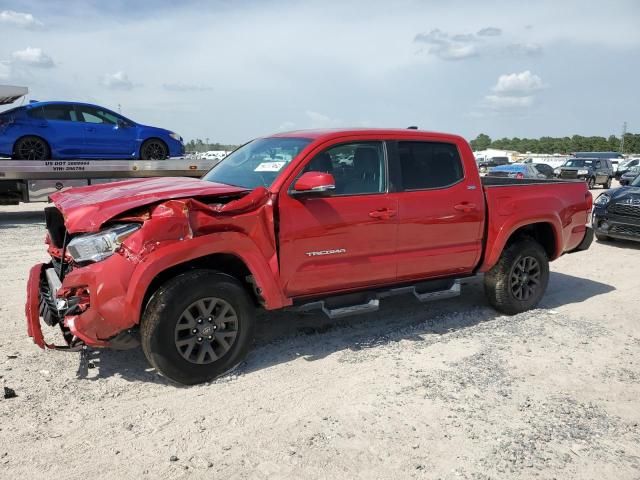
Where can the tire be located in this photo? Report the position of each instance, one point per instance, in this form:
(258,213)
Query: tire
(591,183)
(603,238)
(501,282)
(154,149)
(168,334)
(607,184)
(31,148)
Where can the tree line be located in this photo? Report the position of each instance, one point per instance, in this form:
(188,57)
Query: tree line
(198,145)
(563,145)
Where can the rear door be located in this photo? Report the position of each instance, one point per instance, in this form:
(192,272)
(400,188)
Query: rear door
(57,123)
(345,240)
(440,211)
(105,136)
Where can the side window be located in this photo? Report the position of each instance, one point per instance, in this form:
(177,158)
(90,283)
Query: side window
(358,168)
(426,165)
(59,112)
(96,115)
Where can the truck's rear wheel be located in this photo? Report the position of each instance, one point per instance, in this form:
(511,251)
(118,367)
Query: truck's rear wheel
(197,326)
(519,280)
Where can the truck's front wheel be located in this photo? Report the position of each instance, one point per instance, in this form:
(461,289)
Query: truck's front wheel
(197,326)
(519,280)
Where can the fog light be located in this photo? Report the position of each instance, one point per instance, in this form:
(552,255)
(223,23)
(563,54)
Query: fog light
(604,226)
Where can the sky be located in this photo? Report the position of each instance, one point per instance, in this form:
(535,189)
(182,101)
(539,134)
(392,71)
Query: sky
(233,70)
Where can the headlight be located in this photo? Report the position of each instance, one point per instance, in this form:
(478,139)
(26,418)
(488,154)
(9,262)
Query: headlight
(557,171)
(98,246)
(175,136)
(603,199)
(583,172)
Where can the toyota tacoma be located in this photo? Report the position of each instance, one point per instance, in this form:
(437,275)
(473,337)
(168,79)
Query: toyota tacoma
(329,219)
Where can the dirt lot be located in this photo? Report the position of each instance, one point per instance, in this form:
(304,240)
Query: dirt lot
(442,390)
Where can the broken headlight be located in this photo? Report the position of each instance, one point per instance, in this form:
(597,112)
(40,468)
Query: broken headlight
(95,247)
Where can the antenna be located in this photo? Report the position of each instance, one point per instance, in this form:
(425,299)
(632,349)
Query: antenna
(624,132)
(119,108)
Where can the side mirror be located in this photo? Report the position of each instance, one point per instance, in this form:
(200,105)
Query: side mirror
(314,183)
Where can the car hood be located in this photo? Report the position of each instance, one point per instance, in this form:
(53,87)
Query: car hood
(86,209)
(629,195)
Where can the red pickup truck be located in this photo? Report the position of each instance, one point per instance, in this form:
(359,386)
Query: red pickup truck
(328,219)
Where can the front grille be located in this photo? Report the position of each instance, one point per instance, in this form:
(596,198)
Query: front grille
(48,310)
(625,209)
(622,229)
(568,174)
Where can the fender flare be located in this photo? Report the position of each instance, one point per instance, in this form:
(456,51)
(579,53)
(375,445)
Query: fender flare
(232,243)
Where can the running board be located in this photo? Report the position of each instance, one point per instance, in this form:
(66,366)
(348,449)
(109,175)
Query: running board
(373,301)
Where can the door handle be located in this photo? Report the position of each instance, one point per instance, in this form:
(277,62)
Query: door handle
(465,207)
(383,213)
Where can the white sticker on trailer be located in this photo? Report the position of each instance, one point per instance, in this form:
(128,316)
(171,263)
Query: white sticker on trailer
(269,167)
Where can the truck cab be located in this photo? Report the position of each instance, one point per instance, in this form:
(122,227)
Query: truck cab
(331,219)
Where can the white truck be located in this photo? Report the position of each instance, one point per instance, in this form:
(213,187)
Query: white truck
(35,180)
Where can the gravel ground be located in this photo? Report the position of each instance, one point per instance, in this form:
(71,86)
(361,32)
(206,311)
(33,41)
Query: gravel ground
(449,389)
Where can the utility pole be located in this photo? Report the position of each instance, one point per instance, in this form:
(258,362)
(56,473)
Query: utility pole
(624,132)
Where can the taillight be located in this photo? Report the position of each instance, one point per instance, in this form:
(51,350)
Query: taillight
(520,175)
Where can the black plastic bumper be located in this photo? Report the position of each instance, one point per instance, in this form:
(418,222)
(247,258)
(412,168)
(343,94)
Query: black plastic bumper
(586,241)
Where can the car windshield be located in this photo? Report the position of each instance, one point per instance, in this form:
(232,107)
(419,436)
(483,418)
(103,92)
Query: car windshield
(258,163)
(579,163)
(633,171)
(636,182)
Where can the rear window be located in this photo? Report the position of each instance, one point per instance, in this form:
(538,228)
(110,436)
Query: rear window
(54,112)
(425,165)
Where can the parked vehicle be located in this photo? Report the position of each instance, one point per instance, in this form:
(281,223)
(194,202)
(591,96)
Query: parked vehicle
(67,130)
(545,169)
(616,213)
(484,165)
(516,170)
(629,176)
(591,170)
(625,166)
(288,222)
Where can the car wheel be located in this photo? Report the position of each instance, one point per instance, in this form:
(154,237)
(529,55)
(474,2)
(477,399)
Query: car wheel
(603,238)
(153,149)
(197,326)
(519,280)
(607,184)
(591,183)
(31,148)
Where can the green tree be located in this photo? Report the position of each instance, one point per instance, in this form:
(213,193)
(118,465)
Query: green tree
(481,142)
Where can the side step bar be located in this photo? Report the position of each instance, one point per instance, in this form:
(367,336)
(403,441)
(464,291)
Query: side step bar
(372,302)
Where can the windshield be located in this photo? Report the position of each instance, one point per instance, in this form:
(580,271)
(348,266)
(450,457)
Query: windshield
(579,163)
(636,182)
(258,163)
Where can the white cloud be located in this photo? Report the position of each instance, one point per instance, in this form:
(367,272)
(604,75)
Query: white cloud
(33,57)
(448,47)
(18,19)
(319,120)
(526,49)
(500,102)
(286,125)
(117,81)
(489,32)
(523,83)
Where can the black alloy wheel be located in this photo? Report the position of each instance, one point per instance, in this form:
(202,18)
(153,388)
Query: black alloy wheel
(31,148)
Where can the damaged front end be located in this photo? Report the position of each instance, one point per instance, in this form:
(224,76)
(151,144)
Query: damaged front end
(93,288)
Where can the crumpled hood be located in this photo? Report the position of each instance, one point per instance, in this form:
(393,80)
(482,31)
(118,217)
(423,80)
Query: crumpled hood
(85,209)
(625,194)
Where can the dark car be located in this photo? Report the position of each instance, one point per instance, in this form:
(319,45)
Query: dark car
(625,166)
(67,130)
(630,176)
(591,170)
(616,213)
(544,169)
(485,165)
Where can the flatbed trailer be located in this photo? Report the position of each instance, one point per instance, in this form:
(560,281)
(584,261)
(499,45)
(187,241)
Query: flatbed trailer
(35,180)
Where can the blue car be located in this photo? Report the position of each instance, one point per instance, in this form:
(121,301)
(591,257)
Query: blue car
(66,130)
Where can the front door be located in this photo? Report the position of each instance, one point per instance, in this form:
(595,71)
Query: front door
(345,240)
(104,135)
(441,212)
